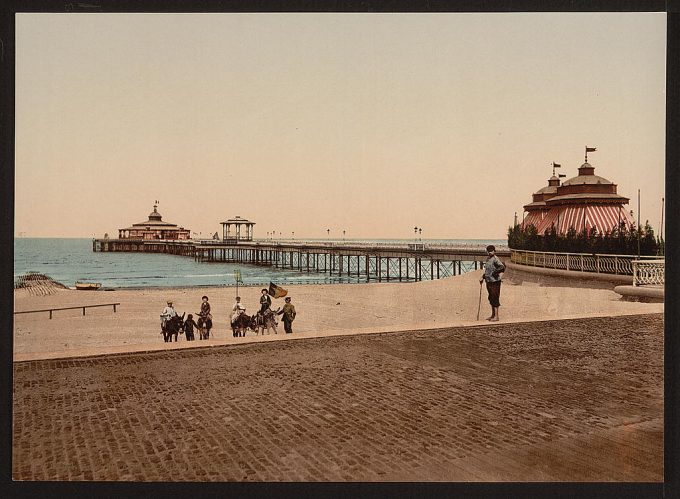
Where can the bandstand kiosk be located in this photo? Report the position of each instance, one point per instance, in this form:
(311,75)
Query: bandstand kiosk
(236,230)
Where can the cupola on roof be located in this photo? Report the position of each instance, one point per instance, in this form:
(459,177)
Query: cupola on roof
(154,215)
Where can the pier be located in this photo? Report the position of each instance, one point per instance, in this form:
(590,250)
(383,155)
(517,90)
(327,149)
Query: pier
(401,262)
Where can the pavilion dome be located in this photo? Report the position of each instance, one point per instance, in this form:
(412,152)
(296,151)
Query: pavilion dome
(586,175)
(154,215)
(548,189)
(587,179)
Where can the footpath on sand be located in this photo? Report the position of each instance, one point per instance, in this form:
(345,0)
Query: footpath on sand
(323,310)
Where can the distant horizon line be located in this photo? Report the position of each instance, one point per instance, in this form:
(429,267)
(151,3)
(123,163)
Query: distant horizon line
(300,238)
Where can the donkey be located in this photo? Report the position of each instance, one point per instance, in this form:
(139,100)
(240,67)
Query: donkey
(204,326)
(242,323)
(266,321)
(173,326)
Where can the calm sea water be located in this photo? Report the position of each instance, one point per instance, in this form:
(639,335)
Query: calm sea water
(69,260)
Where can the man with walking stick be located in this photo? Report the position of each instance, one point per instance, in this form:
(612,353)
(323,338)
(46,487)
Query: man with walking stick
(493,268)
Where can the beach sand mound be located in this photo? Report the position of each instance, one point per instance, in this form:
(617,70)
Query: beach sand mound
(36,284)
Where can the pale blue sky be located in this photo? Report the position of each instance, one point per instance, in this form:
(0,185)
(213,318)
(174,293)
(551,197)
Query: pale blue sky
(372,123)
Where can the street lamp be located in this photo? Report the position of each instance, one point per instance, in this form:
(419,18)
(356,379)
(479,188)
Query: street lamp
(293,233)
(343,234)
(328,231)
(420,231)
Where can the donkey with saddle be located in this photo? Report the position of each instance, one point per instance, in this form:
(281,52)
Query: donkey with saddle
(172,327)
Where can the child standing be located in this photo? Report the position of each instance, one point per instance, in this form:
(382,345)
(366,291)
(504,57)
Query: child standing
(189,326)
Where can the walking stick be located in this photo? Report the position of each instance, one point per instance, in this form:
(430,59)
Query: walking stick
(480,300)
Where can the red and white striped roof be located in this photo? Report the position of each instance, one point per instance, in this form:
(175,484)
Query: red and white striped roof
(534,218)
(601,217)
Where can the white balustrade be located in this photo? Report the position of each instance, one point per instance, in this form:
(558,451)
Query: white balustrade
(644,269)
(648,272)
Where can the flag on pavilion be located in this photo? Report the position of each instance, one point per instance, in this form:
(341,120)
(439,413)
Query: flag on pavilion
(557,165)
(277,291)
(591,149)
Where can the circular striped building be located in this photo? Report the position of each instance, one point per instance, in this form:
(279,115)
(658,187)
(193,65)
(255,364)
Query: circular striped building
(586,202)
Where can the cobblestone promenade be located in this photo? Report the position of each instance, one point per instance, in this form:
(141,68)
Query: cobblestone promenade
(577,400)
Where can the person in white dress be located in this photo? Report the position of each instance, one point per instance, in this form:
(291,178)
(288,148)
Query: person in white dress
(168,312)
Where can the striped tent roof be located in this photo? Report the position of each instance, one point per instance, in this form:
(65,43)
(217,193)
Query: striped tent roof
(534,218)
(601,217)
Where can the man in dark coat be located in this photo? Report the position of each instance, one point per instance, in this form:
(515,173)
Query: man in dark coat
(493,268)
(288,312)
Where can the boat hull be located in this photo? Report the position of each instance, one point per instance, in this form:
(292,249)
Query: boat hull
(88,286)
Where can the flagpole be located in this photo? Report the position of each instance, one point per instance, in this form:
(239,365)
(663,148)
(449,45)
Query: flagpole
(638,220)
(661,226)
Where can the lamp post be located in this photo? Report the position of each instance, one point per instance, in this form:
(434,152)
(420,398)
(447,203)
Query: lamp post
(293,234)
(328,231)
(343,234)
(420,232)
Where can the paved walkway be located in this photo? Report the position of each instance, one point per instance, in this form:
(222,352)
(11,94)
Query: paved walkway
(576,400)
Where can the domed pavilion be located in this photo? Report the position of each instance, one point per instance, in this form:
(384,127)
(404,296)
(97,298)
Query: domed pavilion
(154,228)
(585,202)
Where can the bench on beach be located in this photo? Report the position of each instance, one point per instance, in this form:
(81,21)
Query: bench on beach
(50,310)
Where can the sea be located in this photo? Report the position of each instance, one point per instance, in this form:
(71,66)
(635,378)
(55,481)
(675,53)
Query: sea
(69,260)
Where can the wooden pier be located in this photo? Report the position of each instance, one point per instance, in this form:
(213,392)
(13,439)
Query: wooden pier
(363,261)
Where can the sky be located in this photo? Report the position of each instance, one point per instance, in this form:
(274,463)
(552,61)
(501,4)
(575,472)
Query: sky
(369,123)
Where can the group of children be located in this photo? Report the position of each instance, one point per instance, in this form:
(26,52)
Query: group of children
(288,310)
(288,313)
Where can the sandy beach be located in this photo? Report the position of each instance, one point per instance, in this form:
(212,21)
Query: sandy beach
(322,310)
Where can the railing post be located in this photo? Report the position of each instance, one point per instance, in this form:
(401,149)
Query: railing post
(597,263)
(582,268)
(616,265)
(567,261)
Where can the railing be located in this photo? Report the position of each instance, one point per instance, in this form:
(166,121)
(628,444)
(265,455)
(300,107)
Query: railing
(419,246)
(416,245)
(648,272)
(584,262)
(50,310)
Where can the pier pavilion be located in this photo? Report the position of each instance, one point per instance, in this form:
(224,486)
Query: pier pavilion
(586,202)
(154,229)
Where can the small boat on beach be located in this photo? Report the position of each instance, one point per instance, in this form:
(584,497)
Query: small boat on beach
(88,286)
